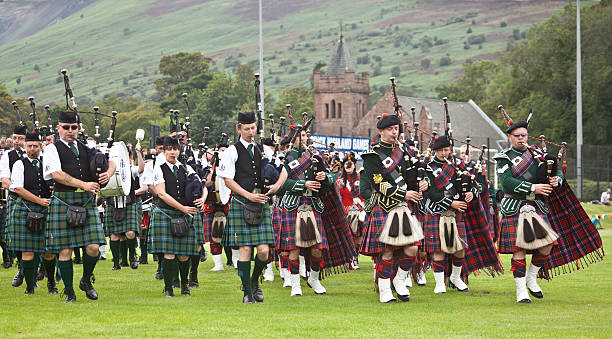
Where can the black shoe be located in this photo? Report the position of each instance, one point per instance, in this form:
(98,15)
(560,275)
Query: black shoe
(203,255)
(102,258)
(134,263)
(7,263)
(18,279)
(176,283)
(169,292)
(538,295)
(159,275)
(29,291)
(41,274)
(77,261)
(525,301)
(185,289)
(248,299)
(70,298)
(403,297)
(256,291)
(51,287)
(116,267)
(89,290)
(144,260)
(124,264)
(193,280)
(58,277)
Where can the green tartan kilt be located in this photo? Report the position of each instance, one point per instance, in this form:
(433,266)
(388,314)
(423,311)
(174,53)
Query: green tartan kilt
(58,235)
(161,239)
(132,221)
(4,221)
(18,237)
(237,233)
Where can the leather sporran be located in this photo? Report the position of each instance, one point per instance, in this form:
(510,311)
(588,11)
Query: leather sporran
(119,214)
(218,225)
(401,227)
(76,216)
(35,222)
(253,213)
(450,242)
(306,230)
(179,227)
(532,231)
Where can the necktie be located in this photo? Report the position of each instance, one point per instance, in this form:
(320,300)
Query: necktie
(175,170)
(250,149)
(73,149)
(36,165)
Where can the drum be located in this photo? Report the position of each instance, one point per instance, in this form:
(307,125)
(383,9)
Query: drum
(120,183)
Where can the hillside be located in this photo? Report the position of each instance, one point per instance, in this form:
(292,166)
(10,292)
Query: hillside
(114,47)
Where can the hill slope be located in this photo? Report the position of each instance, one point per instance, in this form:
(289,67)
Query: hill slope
(112,46)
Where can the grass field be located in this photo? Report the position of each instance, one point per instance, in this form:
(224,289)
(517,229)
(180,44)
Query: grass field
(132,305)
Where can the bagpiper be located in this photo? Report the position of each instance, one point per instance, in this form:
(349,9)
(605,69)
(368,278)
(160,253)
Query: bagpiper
(73,219)
(348,182)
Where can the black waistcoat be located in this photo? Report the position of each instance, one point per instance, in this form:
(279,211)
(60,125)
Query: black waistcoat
(33,180)
(175,187)
(76,167)
(248,170)
(13,157)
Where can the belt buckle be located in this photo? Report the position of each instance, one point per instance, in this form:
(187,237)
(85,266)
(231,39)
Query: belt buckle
(308,193)
(256,191)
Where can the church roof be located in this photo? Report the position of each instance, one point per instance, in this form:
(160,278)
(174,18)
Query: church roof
(340,61)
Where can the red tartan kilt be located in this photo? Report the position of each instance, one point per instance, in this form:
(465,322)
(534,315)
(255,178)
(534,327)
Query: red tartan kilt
(276,225)
(207,219)
(507,235)
(287,230)
(374,224)
(431,231)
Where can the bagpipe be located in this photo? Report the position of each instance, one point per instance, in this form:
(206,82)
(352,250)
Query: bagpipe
(463,180)
(269,172)
(219,194)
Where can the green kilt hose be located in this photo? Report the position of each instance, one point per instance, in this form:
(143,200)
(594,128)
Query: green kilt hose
(431,231)
(18,237)
(237,233)
(58,235)
(508,226)
(372,227)
(161,239)
(132,221)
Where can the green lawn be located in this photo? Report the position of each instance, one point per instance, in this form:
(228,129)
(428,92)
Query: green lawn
(132,305)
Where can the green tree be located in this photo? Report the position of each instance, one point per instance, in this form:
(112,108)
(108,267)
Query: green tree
(179,68)
(301,100)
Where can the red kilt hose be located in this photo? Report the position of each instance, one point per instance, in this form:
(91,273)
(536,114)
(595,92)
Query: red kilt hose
(507,235)
(431,231)
(374,224)
(287,228)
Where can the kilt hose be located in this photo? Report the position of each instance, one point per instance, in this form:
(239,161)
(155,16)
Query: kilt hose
(237,233)
(373,226)
(18,237)
(431,231)
(507,234)
(161,239)
(131,222)
(58,235)
(288,221)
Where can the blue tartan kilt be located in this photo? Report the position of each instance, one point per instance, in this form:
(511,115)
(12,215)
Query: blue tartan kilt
(288,220)
(507,235)
(131,223)
(373,226)
(431,231)
(18,237)
(58,235)
(237,233)
(161,239)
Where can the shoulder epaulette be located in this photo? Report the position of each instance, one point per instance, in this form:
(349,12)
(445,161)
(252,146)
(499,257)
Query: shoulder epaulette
(503,154)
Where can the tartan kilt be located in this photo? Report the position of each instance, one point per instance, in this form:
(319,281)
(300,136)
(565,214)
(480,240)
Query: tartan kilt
(161,239)
(6,212)
(431,230)
(288,220)
(507,234)
(207,220)
(18,237)
(237,233)
(373,225)
(132,221)
(3,215)
(58,235)
(276,223)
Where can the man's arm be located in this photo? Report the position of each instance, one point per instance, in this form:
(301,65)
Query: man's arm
(27,195)
(66,179)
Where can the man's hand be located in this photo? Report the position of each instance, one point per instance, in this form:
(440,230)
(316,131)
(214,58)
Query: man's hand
(199,202)
(423,185)
(543,189)
(553,181)
(414,196)
(273,188)
(469,196)
(459,205)
(103,178)
(92,187)
(320,176)
(43,202)
(258,198)
(313,185)
(189,210)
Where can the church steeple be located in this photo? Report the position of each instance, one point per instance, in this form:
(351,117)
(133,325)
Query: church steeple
(341,60)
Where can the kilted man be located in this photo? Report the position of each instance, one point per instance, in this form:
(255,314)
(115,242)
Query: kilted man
(443,223)
(73,219)
(392,232)
(348,182)
(148,181)
(26,228)
(123,218)
(176,226)
(248,221)
(6,166)
(540,215)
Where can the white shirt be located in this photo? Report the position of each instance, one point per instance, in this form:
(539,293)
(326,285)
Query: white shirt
(17,176)
(158,174)
(146,178)
(52,159)
(227,165)
(605,196)
(5,169)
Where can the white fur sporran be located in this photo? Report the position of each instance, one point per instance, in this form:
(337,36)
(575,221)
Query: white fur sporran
(353,218)
(401,227)
(532,232)
(306,230)
(450,242)
(217,226)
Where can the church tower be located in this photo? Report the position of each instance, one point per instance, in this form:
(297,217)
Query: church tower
(340,95)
